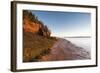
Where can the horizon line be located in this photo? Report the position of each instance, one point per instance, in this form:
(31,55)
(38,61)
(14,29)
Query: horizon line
(77,37)
(73,36)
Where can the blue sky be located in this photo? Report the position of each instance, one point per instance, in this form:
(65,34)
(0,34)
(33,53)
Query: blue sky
(66,23)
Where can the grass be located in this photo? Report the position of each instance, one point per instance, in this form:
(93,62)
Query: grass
(35,45)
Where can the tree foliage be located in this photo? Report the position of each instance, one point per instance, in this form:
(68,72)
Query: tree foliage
(44,31)
(32,17)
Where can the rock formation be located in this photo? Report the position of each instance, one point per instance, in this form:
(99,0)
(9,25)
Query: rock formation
(32,24)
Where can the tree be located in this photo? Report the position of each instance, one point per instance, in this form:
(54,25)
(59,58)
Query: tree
(44,31)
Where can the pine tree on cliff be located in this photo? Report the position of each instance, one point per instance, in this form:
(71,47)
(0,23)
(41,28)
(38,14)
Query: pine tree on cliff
(43,30)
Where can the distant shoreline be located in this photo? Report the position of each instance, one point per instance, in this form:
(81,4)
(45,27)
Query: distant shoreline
(72,36)
(78,37)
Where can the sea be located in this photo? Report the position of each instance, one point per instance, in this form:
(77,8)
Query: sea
(84,42)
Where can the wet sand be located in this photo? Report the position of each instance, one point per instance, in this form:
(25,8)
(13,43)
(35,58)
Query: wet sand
(65,50)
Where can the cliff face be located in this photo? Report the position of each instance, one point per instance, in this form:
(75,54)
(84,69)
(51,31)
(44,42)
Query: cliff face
(36,37)
(29,26)
(32,24)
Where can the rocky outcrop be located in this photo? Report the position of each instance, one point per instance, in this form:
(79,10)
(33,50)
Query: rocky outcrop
(32,24)
(44,31)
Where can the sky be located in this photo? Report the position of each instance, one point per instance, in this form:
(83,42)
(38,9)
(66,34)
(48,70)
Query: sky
(66,24)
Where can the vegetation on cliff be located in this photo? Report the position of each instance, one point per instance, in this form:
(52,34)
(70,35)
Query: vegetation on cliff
(31,23)
(36,38)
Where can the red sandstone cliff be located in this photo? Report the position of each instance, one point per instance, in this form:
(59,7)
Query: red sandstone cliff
(32,24)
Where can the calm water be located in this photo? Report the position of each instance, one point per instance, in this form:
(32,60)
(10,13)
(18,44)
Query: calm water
(81,42)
